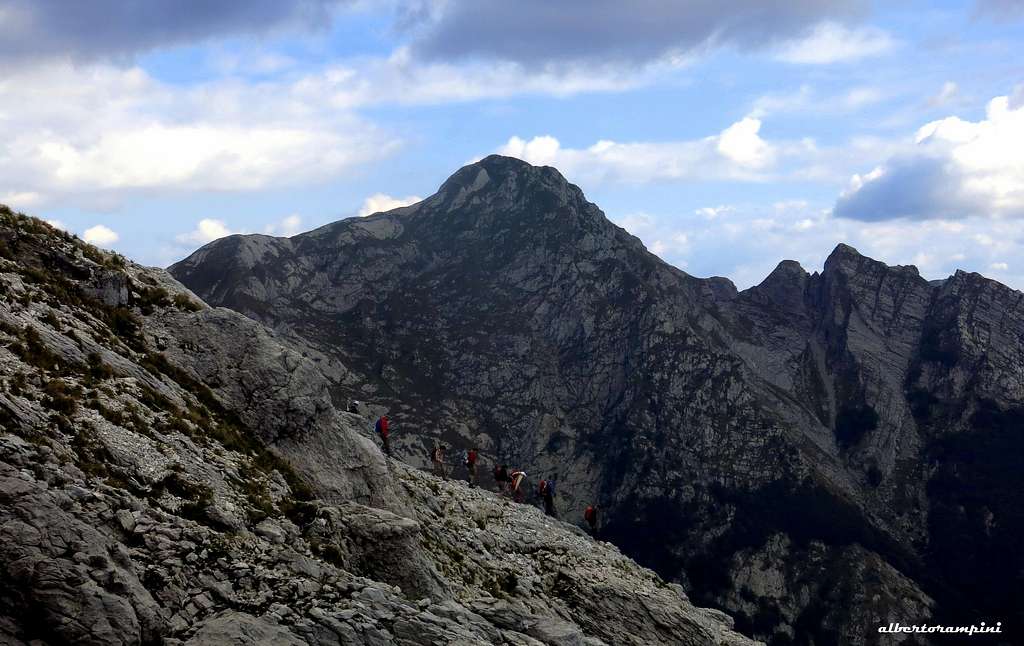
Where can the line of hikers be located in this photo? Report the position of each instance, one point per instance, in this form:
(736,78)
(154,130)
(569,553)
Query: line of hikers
(510,482)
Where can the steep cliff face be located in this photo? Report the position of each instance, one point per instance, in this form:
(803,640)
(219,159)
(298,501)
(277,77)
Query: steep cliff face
(858,414)
(174,473)
(920,385)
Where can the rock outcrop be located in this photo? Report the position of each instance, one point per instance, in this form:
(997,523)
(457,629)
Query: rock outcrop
(847,413)
(172,473)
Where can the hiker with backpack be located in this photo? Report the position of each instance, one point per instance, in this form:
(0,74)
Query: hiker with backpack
(590,515)
(518,492)
(437,457)
(470,461)
(547,494)
(382,430)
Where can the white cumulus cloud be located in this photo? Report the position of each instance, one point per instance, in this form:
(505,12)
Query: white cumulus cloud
(207,230)
(94,133)
(100,235)
(379,202)
(736,153)
(713,212)
(287,227)
(741,143)
(831,42)
(956,168)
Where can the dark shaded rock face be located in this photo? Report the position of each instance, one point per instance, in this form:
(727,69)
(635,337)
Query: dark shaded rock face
(821,454)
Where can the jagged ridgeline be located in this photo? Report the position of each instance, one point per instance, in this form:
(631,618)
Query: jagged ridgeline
(172,473)
(820,454)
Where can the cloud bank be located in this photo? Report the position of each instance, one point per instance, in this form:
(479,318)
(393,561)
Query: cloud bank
(48,29)
(539,32)
(956,169)
(94,134)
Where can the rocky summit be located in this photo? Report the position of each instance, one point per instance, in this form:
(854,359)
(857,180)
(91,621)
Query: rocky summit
(174,473)
(819,455)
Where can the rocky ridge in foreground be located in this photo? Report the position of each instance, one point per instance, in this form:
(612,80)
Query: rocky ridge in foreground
(172,473)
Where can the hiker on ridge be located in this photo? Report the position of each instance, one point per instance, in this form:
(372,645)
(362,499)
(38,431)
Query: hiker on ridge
(590,515)
(517,477)
(501,478)
(547,494)
(382,430)
(437,457)
(471,466)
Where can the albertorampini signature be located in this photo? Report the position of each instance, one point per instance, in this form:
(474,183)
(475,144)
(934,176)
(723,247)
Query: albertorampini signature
(925,628)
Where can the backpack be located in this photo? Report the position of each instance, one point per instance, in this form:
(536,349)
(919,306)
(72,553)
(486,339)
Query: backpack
(588,515)
(542,489)
(471,458)
(382,427)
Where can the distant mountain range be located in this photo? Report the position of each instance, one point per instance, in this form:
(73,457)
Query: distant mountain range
(820,455)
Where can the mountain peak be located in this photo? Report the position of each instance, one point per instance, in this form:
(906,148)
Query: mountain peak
(787,268)
(784,286)
(496,167)
(503,177)
(502,166)
(513,163)
(842,251)
(847,260)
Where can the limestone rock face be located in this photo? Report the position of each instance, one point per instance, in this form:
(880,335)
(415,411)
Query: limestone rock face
(380,544)
(279,393)
(844,588)
(82,586)
(176,474)
(238,629)
(856,408)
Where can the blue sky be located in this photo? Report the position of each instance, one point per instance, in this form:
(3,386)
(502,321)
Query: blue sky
(727,134)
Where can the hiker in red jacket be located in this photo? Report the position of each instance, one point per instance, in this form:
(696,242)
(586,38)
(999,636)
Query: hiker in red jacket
(590,515)
(471,466)
(501,478)
(382,430)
